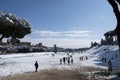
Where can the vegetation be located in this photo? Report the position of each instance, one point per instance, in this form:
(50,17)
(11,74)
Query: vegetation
(11,26)
(102,73)
(118,73)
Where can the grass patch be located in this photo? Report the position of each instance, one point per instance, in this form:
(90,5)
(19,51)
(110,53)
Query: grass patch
(93,69)
(118,73)
(102,74)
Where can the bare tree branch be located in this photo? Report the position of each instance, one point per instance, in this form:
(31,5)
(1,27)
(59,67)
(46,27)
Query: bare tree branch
(115,8)
(118,1)
(116,11)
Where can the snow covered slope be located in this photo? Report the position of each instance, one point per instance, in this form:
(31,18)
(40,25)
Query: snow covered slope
(109,52)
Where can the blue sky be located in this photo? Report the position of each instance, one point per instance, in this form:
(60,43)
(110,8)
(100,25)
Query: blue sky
(67,23)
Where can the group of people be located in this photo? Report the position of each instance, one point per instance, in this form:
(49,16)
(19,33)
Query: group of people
(104,60)
(69,60)
(83,58)
(109,64)
(65,60)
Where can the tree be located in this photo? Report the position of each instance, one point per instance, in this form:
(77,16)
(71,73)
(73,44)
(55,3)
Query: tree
(92,44)
(102,42)
(14,41)
(55,48)
(11,26)
(114,4)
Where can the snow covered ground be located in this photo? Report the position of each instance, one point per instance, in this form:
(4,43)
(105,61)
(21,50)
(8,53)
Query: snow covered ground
(19,63)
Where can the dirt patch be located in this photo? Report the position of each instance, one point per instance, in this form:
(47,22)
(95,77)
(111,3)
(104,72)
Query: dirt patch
(53,74)
(80,73)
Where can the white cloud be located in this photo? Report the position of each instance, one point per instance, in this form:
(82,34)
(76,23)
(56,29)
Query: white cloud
(61,42)
(66,39)
(47,33)
(77,33)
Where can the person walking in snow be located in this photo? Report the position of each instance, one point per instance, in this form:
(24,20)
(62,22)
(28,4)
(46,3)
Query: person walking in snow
(36,66)
(60,61)
(68,60)
(71,60)
(64,60)
(105,60)
(116,55)
(86,58)
(102,59)
(109,66)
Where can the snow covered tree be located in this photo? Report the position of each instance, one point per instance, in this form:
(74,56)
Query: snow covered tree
(11,26)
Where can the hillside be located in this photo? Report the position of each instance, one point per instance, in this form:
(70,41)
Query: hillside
(108,52)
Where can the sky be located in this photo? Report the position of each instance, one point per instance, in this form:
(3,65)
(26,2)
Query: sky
(66,23)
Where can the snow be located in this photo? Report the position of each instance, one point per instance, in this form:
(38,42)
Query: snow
(10,19)
(19,63)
